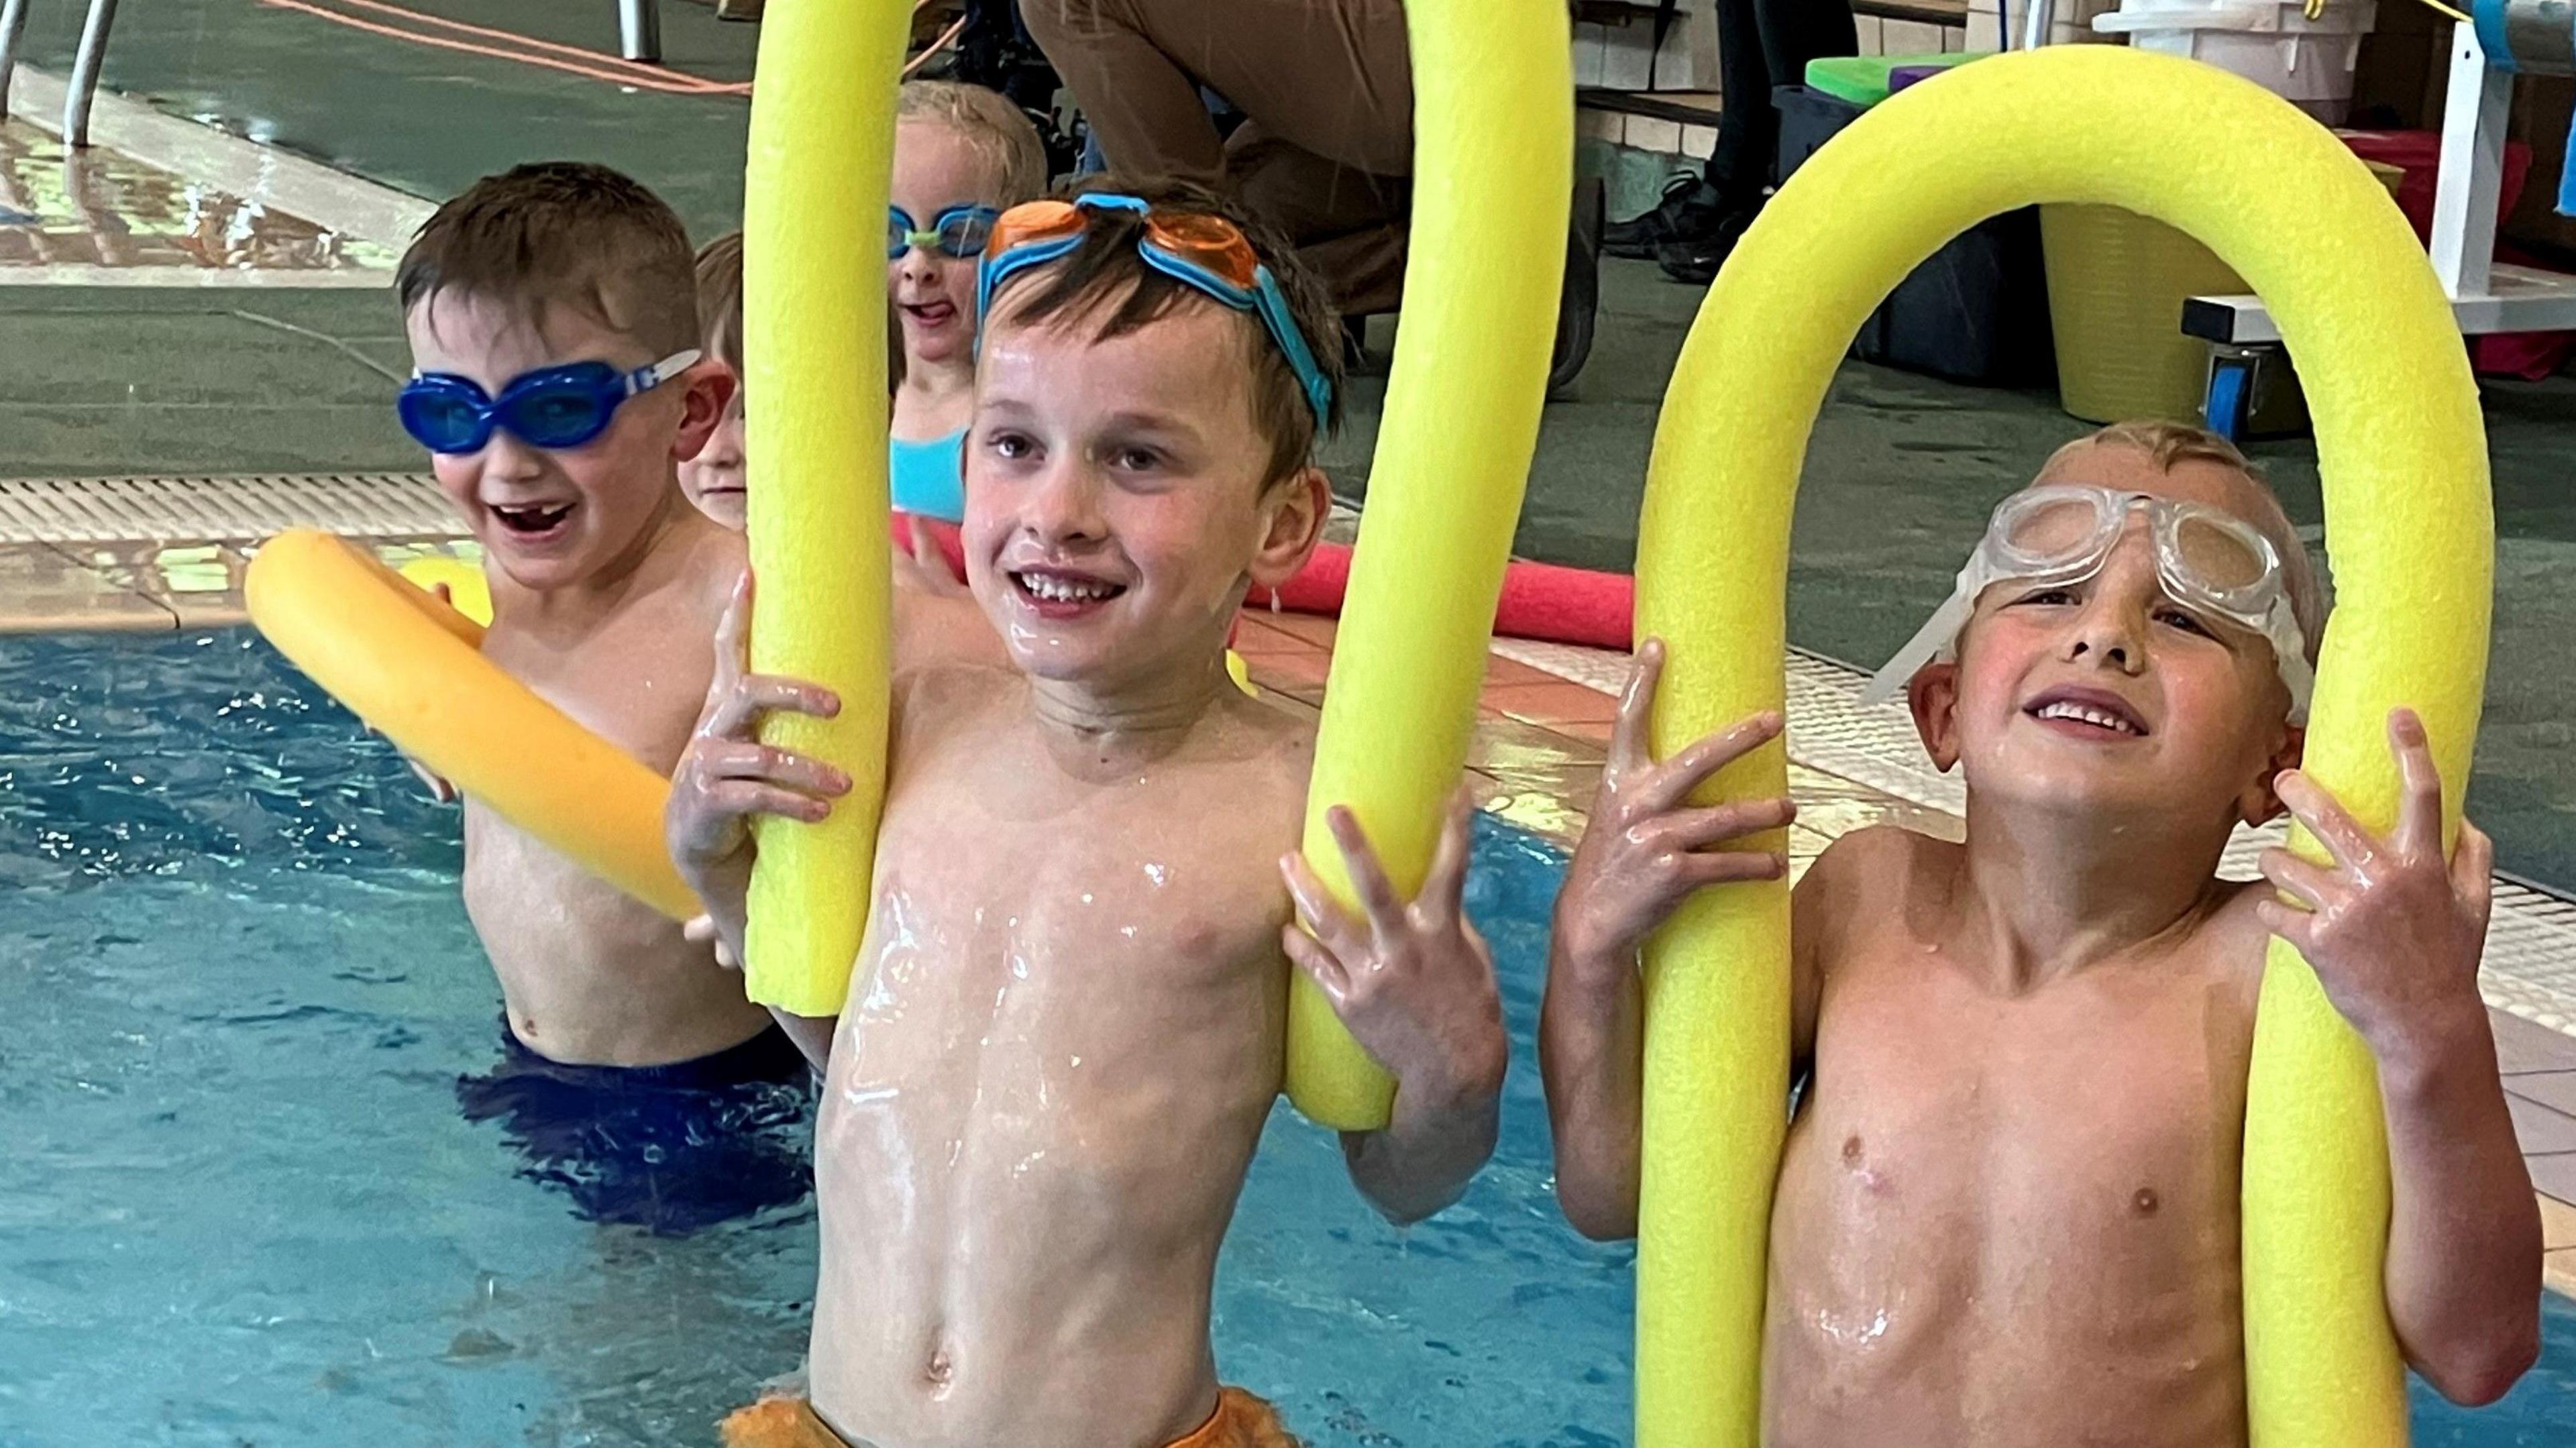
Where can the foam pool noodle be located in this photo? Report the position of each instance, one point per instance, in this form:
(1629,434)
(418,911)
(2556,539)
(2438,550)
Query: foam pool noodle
(814,315)
(410,666)
(1493,157)
(2401,446)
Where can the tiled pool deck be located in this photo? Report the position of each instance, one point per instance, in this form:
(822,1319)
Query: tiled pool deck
(169,555)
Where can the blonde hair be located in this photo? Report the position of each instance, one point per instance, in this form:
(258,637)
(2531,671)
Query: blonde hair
(720,298)
(2171,444)
(998,132)
(720,305)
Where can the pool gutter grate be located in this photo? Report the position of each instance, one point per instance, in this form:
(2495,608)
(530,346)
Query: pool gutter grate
(222,509)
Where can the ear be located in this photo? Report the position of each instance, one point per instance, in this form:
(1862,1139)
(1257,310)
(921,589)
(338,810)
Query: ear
(705,389)
(2259,803)
(1933,695)
(1293,514)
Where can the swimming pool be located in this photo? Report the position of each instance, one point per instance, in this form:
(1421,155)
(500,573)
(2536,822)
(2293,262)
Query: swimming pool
(238,1205)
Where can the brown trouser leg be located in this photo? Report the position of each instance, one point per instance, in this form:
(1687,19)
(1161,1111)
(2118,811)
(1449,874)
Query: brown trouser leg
(1327,88)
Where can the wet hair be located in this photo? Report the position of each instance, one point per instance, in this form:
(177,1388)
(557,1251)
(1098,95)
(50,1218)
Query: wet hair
(720,307)
(1000,134)
(561,233)
(1104,283)
(2171,444)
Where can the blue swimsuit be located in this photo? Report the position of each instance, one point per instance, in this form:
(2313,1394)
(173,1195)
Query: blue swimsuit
(929,478)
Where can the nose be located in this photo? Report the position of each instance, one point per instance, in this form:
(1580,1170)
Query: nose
(917,266)
(1063,505)
(2110,630)
(506,459)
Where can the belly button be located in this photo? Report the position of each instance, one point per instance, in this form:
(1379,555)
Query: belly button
(1851,1150)
(2144,1202)
(938,1370)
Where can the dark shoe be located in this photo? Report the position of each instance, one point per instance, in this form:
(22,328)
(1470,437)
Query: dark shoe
(1578,305)
(1689,205)
(1696,258)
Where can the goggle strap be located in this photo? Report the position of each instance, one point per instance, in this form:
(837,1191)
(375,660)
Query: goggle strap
(645,379)
(1939,632)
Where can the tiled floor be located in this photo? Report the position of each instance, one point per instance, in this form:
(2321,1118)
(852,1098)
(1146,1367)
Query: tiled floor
(74,214)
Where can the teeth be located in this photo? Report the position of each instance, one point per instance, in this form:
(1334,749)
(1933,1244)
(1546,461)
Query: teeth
(2100,719)
(1054,589)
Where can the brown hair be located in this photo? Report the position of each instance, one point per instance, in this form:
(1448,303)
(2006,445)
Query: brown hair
(720,307)
(2171,444)
(1000,134)
(561,232)
(1106,283)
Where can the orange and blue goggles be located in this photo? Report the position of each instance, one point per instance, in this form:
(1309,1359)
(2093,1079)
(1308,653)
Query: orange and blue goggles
(1209,254)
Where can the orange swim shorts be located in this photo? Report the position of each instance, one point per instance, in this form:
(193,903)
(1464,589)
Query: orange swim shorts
(1240,1421)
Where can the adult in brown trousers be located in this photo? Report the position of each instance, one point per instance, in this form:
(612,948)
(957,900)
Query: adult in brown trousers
(1325,150)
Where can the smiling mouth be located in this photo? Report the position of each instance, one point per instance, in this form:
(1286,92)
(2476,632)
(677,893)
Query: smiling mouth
(1064,590)
(531,521)
(2106,716)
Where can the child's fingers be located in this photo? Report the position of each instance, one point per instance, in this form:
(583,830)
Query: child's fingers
(2341,834)
(756,696)
(2473,869)
(1629,737)
(733,633)
(1369,884)
(1324,917)
(2298,878)
(1685,771)
(2290,923)
(1319,964)
(1726,867)
(772,765)
(1698,829)
(743,798)
(2419,802)
(1446,883)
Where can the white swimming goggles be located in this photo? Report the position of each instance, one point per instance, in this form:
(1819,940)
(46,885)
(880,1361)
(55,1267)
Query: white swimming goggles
(2207,561)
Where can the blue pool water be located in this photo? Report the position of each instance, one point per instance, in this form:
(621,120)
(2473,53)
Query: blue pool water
(238,1206)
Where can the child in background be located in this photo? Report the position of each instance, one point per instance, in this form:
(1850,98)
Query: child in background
(2007,1210)
(933,616)
(554,331)
(962,155)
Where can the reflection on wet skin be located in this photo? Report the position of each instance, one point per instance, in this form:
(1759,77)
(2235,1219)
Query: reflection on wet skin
(100,208)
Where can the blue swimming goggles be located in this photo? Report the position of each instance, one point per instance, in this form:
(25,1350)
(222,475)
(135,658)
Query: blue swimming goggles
(1209,253)
(957,233)
(553,407)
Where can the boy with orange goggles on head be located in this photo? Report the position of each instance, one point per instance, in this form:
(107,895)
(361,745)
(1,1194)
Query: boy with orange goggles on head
(1067,1024)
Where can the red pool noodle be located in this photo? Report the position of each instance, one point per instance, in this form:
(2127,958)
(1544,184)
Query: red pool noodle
(1540,601)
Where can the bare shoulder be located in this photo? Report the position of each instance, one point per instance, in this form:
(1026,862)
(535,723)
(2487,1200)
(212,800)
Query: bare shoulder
(1270,752)
(2232,937)
(1879,865)
(709,561)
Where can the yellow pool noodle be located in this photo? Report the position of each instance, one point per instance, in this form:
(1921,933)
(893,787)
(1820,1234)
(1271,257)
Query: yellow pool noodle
(814,317)
(406,664)
(1493,159)
(468,591)
(2402,449)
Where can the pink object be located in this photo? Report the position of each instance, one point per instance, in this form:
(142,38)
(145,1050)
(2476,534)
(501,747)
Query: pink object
(1540,600)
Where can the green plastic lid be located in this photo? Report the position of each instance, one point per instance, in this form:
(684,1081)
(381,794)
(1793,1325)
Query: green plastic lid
(1862,79)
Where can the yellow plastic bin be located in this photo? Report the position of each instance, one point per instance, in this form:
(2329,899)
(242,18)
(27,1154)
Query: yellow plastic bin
(2116,287)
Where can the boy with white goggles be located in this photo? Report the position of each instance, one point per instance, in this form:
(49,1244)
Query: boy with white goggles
(2207,560)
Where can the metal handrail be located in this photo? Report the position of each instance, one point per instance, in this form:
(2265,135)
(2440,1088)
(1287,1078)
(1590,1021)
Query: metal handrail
(639,36)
